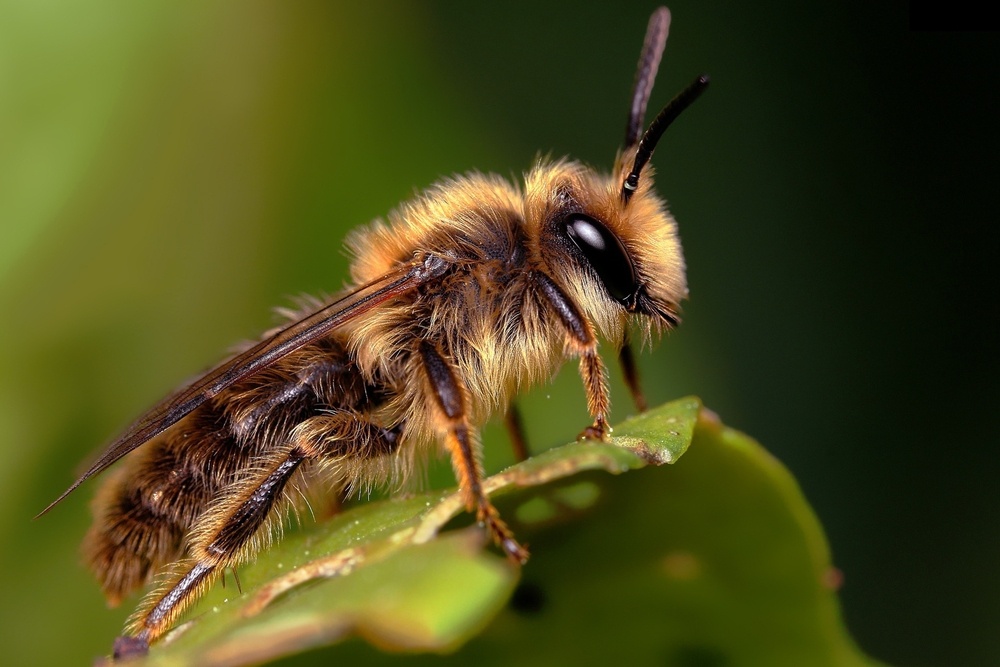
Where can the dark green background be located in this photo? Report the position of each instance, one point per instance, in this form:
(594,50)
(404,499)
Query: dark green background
(170,171)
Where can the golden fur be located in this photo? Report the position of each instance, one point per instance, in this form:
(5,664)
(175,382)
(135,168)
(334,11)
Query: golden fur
(172,496)
(483,289)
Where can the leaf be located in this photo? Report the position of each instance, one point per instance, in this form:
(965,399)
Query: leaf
(717,561)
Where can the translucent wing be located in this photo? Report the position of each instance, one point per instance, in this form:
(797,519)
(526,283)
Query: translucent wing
(310,328)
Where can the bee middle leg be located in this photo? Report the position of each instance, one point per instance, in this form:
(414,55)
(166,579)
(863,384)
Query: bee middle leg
(224,536)
(461,440)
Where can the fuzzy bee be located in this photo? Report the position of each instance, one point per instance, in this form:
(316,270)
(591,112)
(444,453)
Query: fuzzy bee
(469,293)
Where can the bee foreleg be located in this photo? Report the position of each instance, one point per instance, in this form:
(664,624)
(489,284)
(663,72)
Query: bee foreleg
(626,358)
(581,338)
(595,385)
(460,440)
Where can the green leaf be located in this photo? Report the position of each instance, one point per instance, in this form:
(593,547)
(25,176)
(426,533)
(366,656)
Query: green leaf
(717,561)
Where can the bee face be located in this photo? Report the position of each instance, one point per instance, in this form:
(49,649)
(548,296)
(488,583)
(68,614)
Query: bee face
(617,258)
(466,294)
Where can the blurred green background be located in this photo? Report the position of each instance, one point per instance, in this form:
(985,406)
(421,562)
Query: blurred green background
(169,171)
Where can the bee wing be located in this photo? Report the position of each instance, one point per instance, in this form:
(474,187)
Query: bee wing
(260,356)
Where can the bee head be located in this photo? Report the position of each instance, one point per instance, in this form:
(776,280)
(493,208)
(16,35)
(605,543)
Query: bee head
(617,259)
(612,238)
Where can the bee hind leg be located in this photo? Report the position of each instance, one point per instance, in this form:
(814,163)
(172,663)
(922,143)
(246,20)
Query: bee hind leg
(218,540)
(224,536)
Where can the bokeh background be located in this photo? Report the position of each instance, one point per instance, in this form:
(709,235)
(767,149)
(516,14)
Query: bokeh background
(171,171)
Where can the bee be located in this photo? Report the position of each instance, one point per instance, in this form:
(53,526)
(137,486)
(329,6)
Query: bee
(467,294)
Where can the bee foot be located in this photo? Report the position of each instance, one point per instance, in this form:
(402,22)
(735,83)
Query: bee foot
(127,648)
(515,552)
(502,535)
(598,431)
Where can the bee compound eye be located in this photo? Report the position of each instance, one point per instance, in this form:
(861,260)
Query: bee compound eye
(605,253)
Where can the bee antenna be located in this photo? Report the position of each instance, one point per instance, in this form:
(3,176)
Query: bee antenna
(645,73)
(656,129)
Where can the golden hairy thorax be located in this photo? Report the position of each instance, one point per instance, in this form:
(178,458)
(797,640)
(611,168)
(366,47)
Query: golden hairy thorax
(498,330)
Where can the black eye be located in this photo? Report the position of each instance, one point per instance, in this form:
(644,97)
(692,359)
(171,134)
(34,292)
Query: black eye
(604,252)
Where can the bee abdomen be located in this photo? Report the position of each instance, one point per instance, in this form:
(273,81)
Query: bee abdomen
(136,532)
(144,513)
